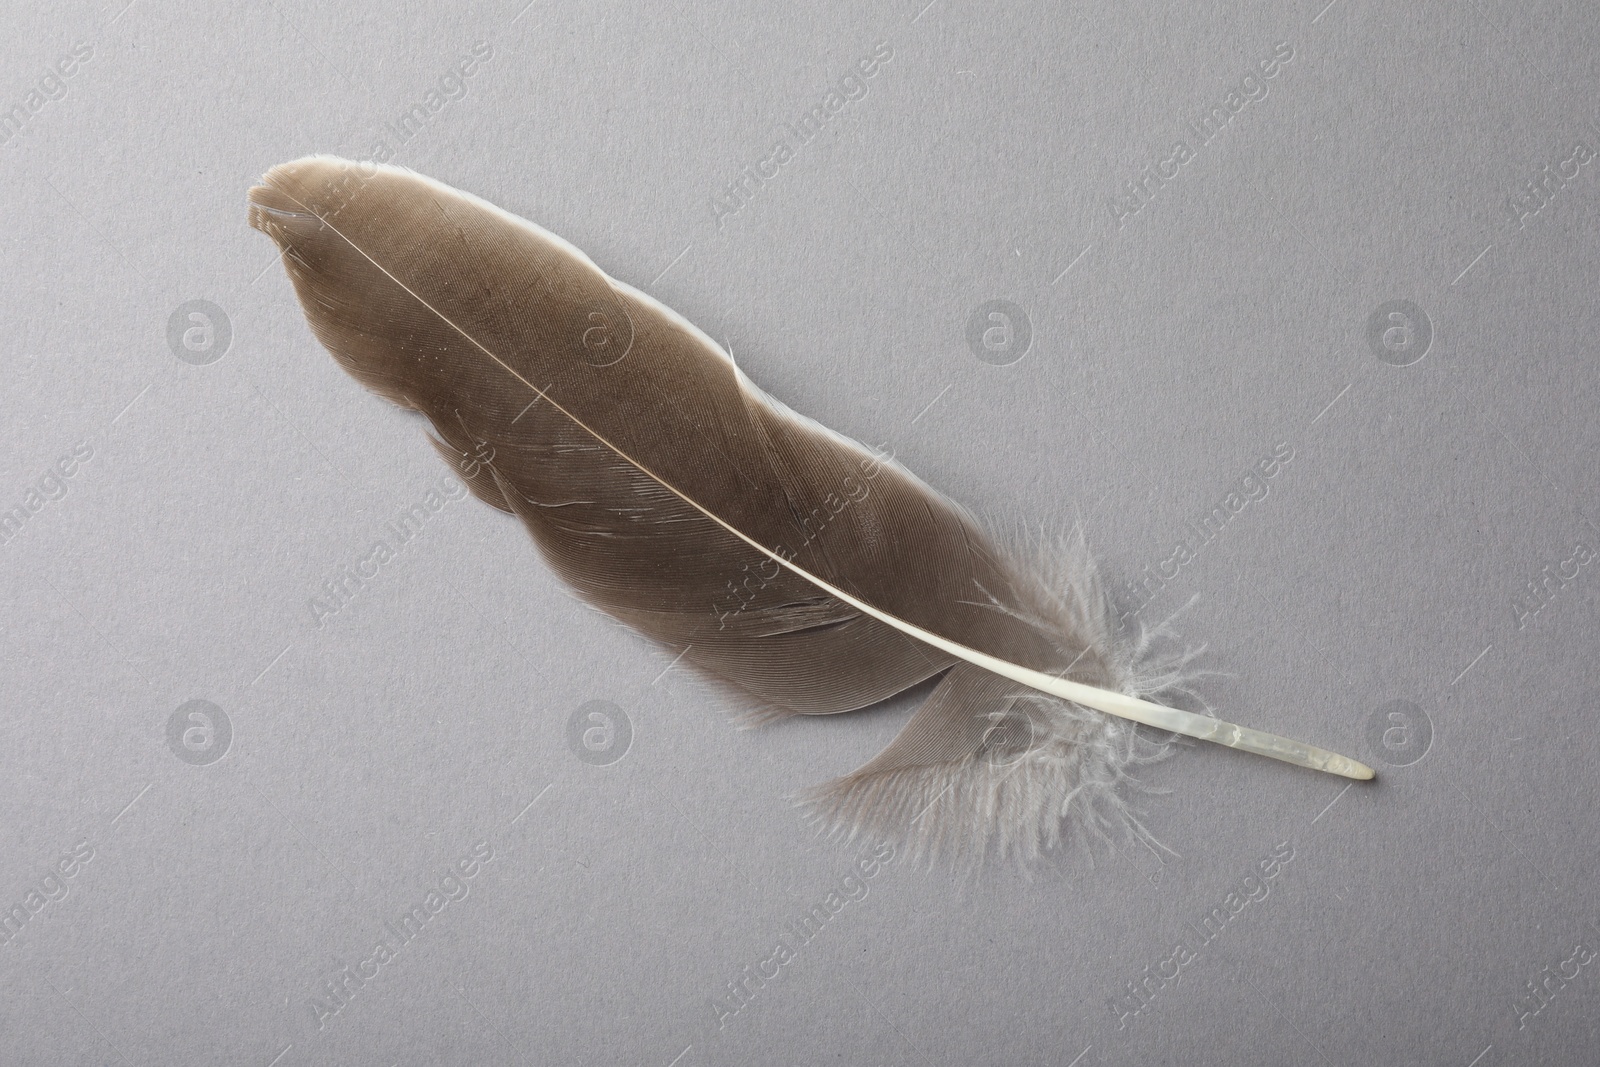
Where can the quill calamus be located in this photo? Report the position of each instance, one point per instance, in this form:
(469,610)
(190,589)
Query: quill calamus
(671,492)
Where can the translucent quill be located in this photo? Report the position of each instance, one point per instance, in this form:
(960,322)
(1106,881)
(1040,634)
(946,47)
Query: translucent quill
(671,492)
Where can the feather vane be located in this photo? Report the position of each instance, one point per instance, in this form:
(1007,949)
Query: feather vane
(671,492)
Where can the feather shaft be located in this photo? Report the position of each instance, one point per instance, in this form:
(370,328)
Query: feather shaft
(817,575)
(1159,716)
(1175,720)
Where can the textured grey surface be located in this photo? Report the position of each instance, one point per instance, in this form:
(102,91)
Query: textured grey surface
(221,878)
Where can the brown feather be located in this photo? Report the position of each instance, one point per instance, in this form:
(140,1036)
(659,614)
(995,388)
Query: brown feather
(644,464)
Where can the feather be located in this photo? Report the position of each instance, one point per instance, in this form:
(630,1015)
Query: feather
(813,573)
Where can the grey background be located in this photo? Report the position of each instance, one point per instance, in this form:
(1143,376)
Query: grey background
(1169,353)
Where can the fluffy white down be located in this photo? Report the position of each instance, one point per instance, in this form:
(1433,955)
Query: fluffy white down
(1057,772)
